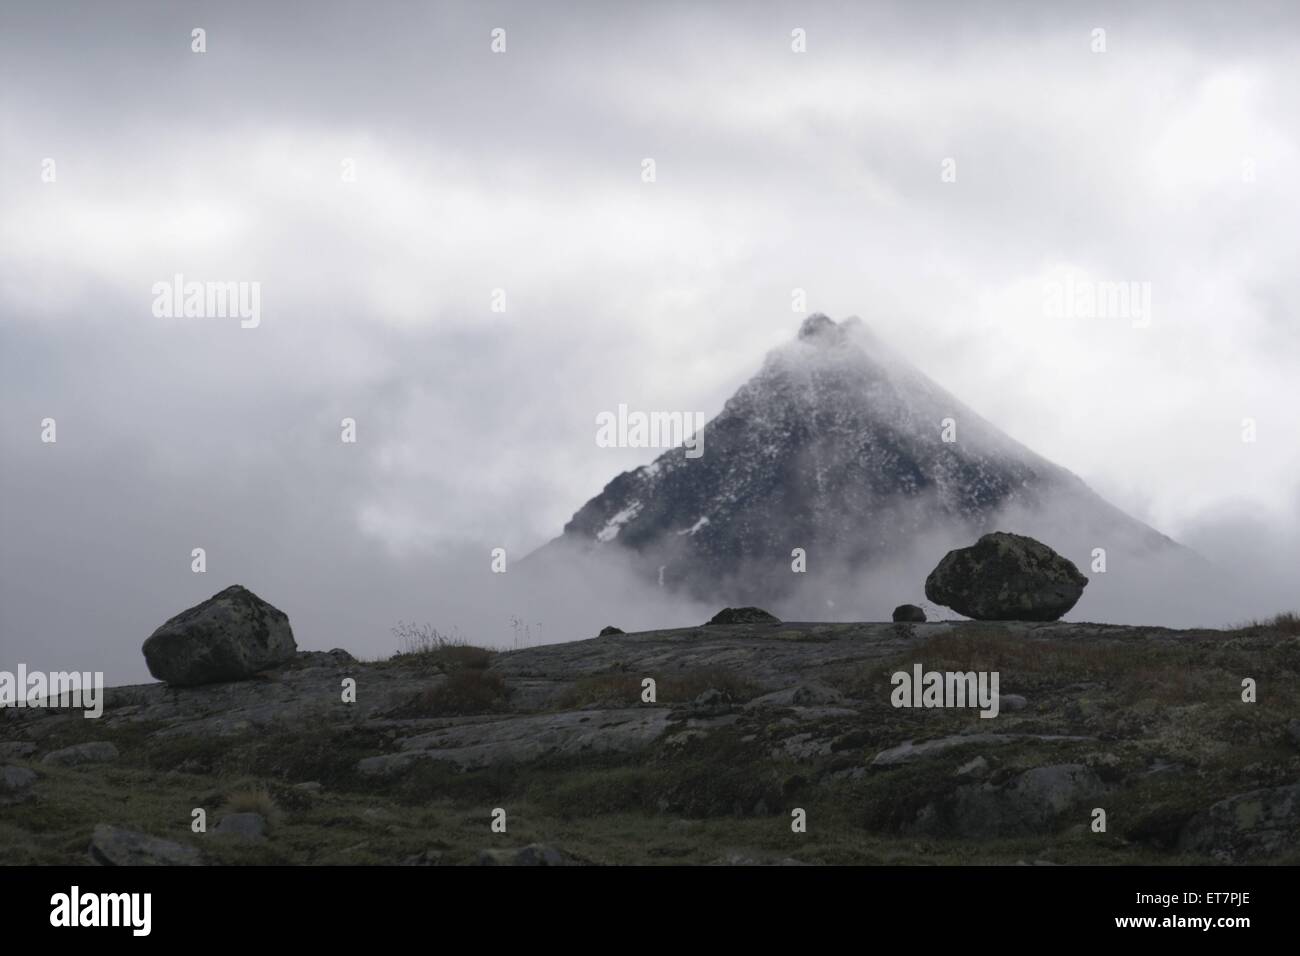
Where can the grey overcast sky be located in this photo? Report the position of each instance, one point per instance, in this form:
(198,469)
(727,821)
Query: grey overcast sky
(1172,158)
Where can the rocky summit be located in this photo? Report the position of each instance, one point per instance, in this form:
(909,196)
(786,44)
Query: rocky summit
(230,636)
(1006,577)
(747,722)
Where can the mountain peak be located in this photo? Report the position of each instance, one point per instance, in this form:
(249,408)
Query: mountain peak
(837,447)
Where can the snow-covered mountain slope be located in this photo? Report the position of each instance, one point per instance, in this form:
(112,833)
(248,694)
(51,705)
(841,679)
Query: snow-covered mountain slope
(841,448)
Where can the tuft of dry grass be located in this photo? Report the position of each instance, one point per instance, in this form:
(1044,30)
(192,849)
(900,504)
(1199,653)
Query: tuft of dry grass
(1172,683)
(605,690)
(252,800)
(687,685)
(424,646)
(465,692)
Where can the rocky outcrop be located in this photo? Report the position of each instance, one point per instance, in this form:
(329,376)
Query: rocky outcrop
(231,636)
(1029,804)
(1006,577)
(1247,826)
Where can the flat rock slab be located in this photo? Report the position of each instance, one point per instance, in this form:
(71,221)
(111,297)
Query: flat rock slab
(909,751)
(99,751)
(810,694)
(529,738)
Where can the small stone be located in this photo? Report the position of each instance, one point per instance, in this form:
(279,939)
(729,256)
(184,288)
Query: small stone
(609,630)
(711,703)
(1012,702)
(977,767)
(242,826)
(534,854)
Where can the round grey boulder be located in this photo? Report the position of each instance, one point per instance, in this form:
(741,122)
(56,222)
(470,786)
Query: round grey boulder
(1006,577)
(230,636)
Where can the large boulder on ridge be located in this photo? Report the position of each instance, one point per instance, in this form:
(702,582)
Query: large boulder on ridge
(230,636)
(1006,577)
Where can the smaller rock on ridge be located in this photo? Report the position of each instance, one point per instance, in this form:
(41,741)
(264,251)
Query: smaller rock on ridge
(909,614)
(743,615)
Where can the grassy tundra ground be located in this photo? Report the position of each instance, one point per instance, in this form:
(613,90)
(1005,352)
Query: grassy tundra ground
(751,722)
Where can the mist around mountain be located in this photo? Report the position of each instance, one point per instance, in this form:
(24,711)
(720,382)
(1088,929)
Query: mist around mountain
(842,457)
